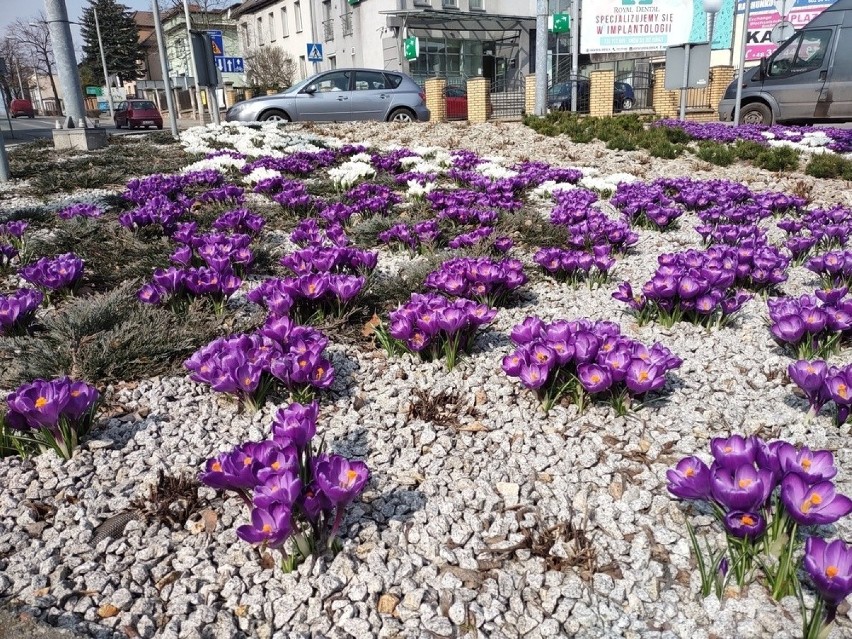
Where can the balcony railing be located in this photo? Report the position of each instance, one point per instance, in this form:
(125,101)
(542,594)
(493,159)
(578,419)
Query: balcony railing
(328,30)
(346,23)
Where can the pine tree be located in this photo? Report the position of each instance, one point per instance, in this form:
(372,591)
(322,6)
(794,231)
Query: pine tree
(120,39)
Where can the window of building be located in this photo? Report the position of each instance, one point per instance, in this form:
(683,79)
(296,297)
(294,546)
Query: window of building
(346,22)
(271,27)
(246,43)
(450,4)
(259,30)
(332,60)
(285,27)
(303,67)
(297,13)
(477,5)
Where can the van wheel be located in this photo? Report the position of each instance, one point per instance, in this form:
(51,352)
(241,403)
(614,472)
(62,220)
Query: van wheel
(756,113)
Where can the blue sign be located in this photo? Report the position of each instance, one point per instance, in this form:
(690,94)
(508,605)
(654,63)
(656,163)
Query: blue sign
(314,52)
(230,65)
(218,43)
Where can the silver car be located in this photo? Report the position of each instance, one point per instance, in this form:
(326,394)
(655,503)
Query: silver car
(339,95)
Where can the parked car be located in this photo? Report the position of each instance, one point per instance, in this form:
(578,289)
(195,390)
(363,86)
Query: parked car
(457,103)
(137,113)
(559,95)
(339,95)
(807,79)
(20,107)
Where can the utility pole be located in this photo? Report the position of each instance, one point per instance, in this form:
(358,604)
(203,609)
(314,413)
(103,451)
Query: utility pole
(741,70)
(192,64)
(541,57)
(66,62)
(161,47)
(103,63)
(575,51)
(18,69)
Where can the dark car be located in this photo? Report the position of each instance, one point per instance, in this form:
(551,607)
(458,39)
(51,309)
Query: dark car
(339,95)
(559,96)
(20,107)
(137,113)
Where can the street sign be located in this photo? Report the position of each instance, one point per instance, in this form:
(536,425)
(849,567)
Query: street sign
(94,91)
(217,43)
(784,7)
(411,48)
(782,32)
(230,65)
(314,52)
(559,23)
(699,66)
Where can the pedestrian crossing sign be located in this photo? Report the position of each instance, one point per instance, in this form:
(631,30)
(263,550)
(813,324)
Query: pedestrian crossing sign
(559,23)
(314,52)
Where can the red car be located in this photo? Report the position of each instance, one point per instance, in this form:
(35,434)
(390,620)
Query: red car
(457,103)
(20,107)
(137,113)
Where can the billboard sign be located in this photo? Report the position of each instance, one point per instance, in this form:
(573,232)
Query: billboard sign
(622,26)
(765,16)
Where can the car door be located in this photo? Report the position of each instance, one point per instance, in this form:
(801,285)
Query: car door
(456,103)
(371,96)
(796,73)
(327,99)
(119,115)
(839,89)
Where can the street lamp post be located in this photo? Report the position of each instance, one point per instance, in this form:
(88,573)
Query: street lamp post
(741,70)
(103,63)
(66,63)
(711,7)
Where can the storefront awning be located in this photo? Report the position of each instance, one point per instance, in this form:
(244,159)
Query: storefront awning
(485,26)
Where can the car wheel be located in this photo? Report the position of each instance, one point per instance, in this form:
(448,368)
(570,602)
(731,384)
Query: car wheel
(117,125)
(275,115)
(31,117)
(627,104)
(160,126)
(756,113)
(401,115)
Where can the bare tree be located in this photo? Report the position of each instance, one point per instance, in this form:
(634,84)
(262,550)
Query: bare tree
(34,38)
(202,13)
(270,67)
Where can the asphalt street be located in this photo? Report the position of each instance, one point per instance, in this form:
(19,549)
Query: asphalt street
(24,130)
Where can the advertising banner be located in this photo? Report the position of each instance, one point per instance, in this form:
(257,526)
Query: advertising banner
(620,26)
(764,16)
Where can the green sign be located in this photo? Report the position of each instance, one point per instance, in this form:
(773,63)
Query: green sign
(559,23)
(94,91)
(354,2)
(411,48)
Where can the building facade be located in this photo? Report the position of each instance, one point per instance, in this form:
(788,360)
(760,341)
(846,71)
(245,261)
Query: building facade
(458,39)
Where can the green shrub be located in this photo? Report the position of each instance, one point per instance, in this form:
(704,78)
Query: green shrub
(827,165)
(675,134)
(778,158)
(667,150)
(716,153)
(747,149)
(621,142)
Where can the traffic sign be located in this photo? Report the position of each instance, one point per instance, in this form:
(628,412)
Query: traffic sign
(217,43)
(559,23)
(783,7)
(782,32)
(230,65)
(411,47)
(314,52)
(94,91)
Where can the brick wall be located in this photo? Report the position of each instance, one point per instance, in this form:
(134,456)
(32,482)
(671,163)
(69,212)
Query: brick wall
(665,102)
(720,78)
(436,100)
(529,94)
(601,93)
(477,100)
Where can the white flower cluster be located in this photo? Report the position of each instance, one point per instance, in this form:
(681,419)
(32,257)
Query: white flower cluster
(606,183)
(547,189)
(362,157)
(250,139)
(259,174)
(220,163)
(495,171)
(417,191)
(812,141)
(349,173)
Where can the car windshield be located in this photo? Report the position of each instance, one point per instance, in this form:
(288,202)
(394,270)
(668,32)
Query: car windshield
(147,105)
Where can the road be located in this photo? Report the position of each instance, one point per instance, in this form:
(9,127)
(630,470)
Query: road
(25,130)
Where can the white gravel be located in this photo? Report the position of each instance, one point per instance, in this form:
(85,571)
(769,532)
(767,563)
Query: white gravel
(422,556)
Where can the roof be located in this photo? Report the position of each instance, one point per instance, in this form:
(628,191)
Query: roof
(143,18)
(250,6)
(462,21)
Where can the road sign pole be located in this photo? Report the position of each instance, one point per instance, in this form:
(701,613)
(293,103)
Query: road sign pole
(103,62)
(164,62)
(741,70)
(191,64)
(685,85)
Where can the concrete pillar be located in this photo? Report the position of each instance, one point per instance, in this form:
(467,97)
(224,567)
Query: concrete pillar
(601,93)
(477,99)
(529,94)
(665,102)
(249,93)
(66,62)
(436,99)
(230,97)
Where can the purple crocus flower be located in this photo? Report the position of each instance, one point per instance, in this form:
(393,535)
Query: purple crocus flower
(533,375)
(744,525)
(296,423)
(810,377)
(340,479)
(594,378)
(690,479)
(814,505)
(40,403)
(743,488)
(643,377)
(734,451)
(270,526)
(829,565)
(278,488)
(812,466)
(789,329)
